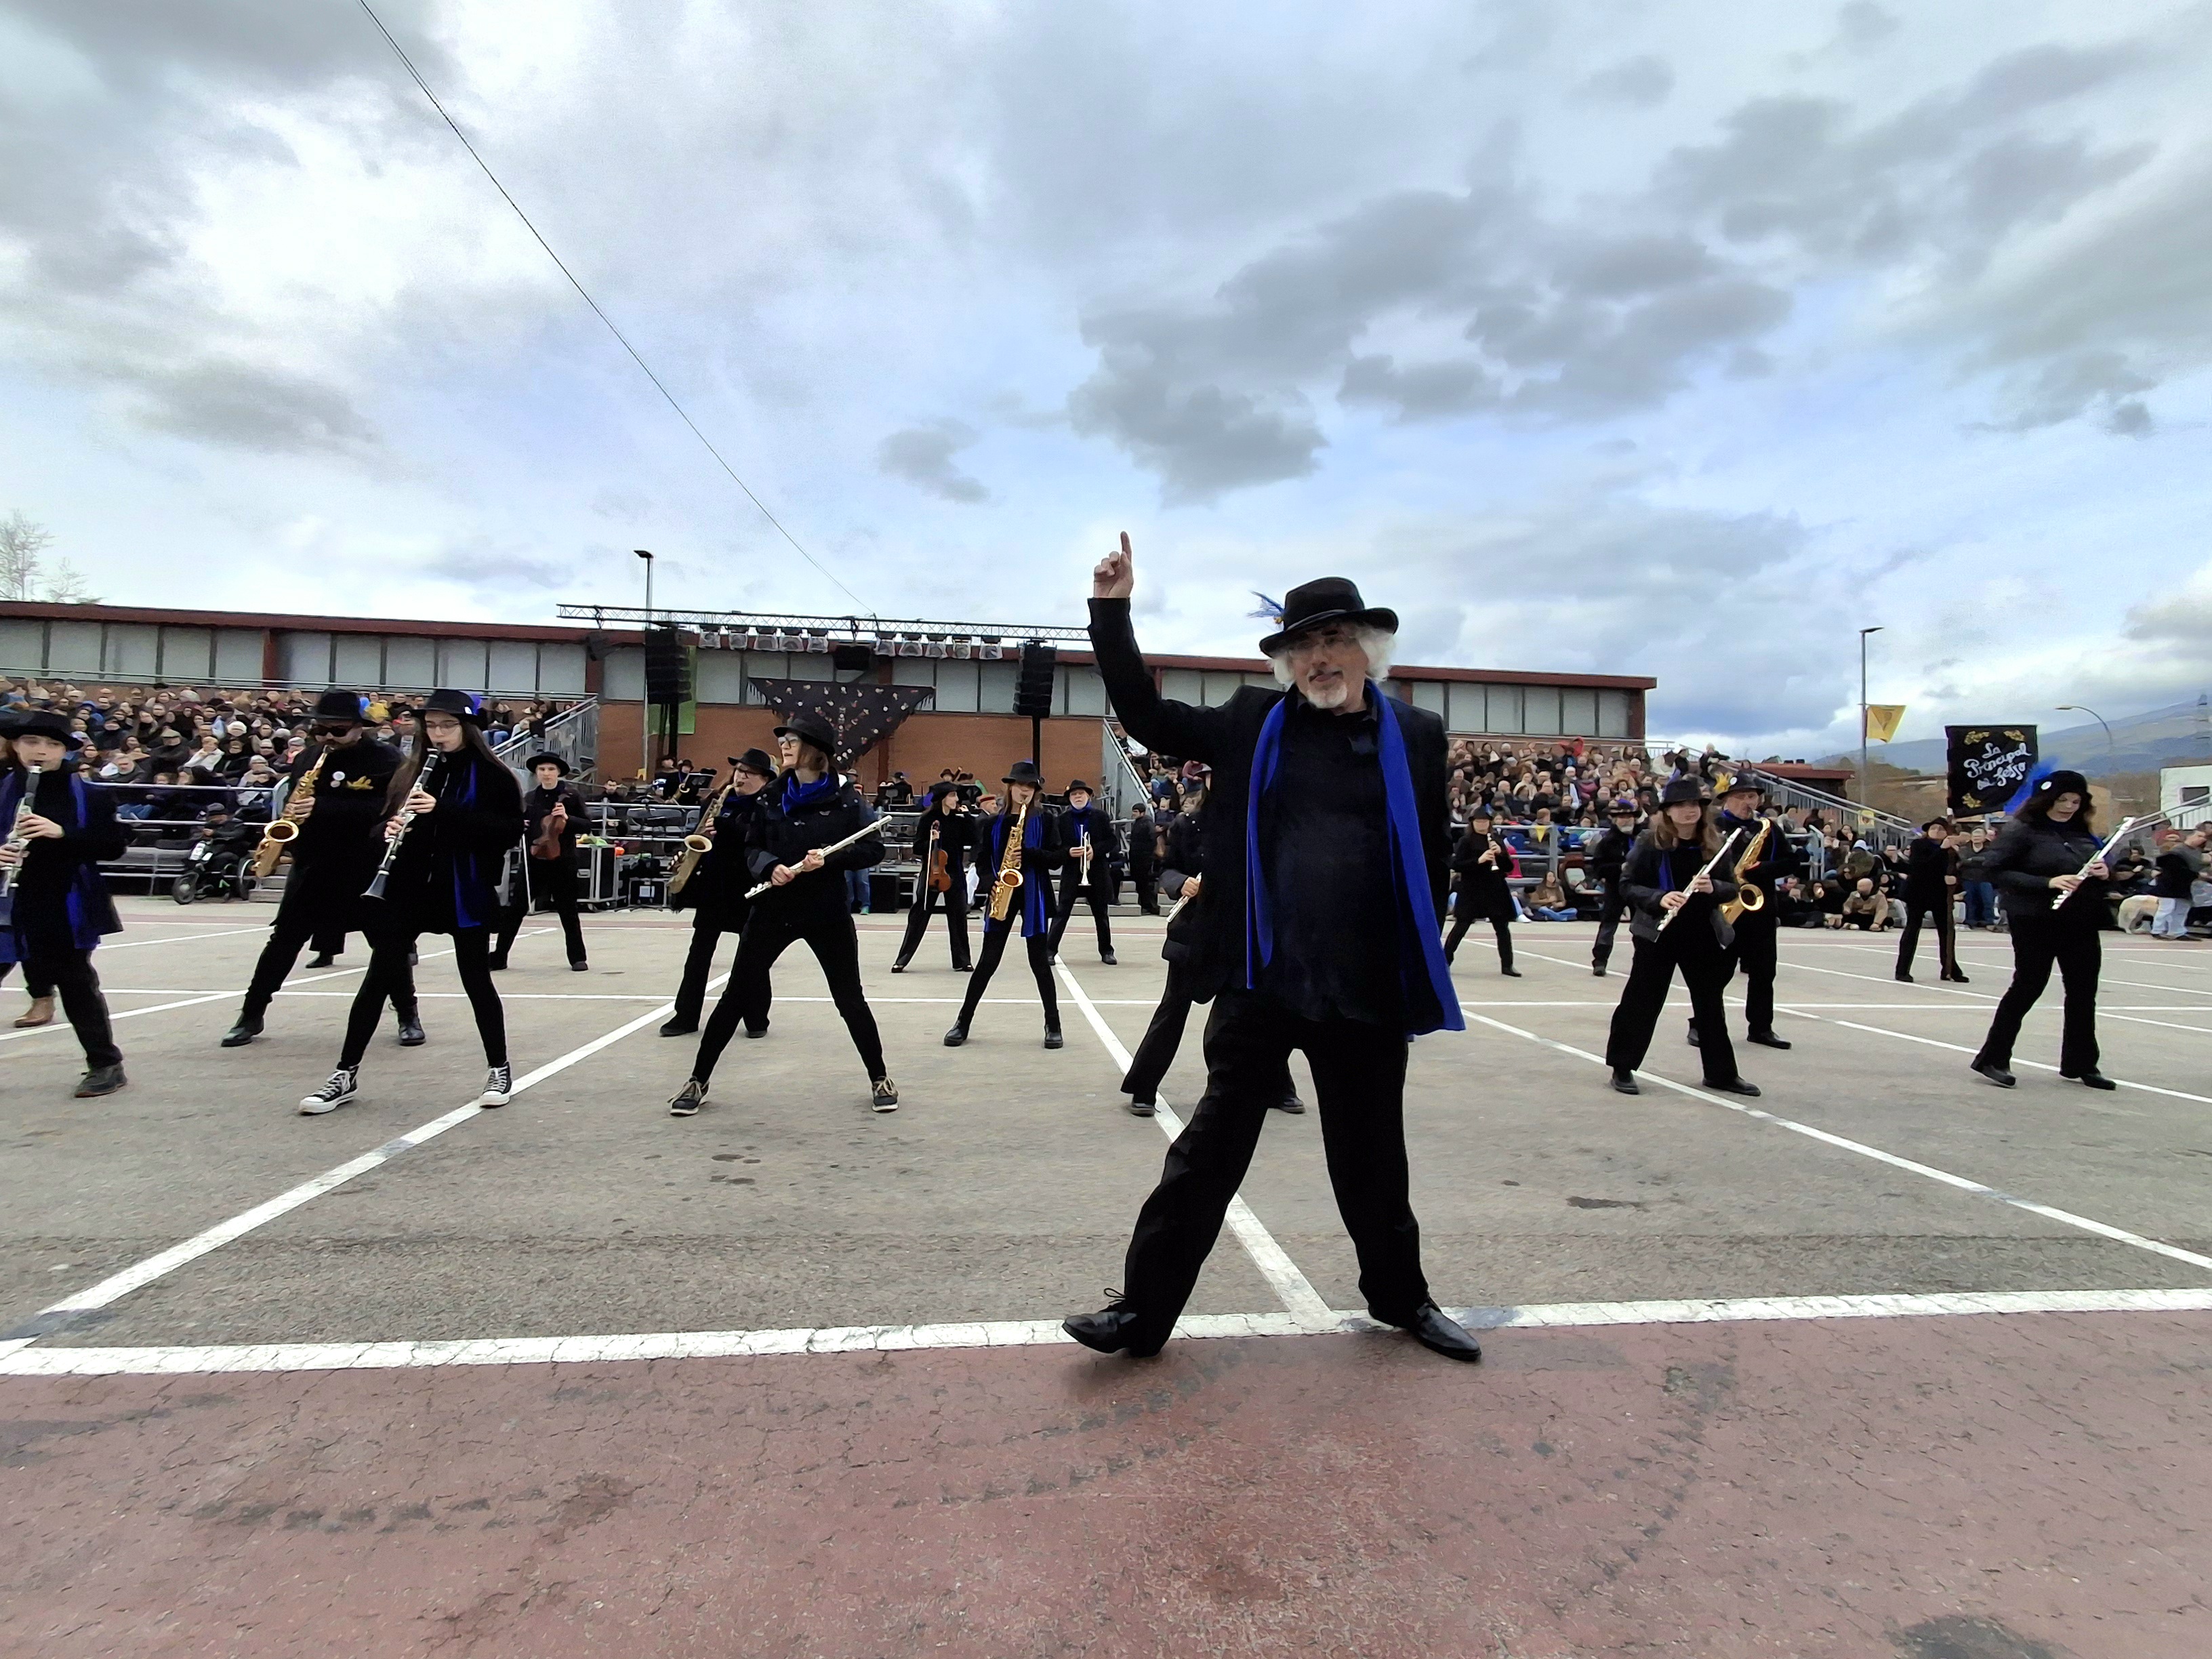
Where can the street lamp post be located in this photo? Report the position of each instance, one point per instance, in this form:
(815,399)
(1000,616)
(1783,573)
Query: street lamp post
(2083,708)
(1866,778)
(645,703)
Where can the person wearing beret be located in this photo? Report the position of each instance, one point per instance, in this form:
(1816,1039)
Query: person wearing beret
(1327,836)
(549,868)
(811,810)
(2052,887)
(454,814)
(332,859)
(1088,834)
(1754,949)
(1665,875)
(715,894)
(58,830)
(1031,909)
(945,827)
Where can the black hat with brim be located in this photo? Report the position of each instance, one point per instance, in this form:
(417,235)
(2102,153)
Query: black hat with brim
(465,704)
(810,729)
(347,706)
(1317,603)
(1076,786)
(1744,781)
(40,723)
(754,760)
(1024,771)
(1683,792)
(549,758)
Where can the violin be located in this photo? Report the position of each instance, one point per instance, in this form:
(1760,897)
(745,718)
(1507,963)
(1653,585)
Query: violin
(941,864)
(548,844)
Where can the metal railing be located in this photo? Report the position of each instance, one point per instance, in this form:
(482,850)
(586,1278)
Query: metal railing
(573,734)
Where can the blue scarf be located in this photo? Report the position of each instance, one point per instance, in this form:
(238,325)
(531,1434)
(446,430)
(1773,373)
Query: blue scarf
(1420,951)
(1036,914)
(798,797)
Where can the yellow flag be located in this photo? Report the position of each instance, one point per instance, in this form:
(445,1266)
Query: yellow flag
(1881,720)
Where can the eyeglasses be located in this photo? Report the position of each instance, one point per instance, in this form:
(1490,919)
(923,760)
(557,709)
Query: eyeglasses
(337,731)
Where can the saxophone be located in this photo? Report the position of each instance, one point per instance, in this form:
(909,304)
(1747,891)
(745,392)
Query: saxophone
(1010,868)
(286,830)
(699,843)
(1748,897)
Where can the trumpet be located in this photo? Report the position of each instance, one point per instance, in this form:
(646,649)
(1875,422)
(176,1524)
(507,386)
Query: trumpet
(1706,869)
(1009,880)
(375,888)
(286,830)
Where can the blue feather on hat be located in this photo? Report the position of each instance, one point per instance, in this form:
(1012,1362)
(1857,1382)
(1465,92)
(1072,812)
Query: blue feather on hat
(1270,610)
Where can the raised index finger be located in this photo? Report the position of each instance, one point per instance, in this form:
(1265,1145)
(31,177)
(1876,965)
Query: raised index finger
(1126,552)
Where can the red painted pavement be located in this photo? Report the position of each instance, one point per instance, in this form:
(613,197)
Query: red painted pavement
(2019,1487)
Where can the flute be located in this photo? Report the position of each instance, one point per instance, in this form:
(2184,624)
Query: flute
(2110,841)
(1710,865)
(407,815)
(857,836)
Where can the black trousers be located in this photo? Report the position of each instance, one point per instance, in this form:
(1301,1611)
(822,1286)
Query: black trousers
(387,965)
(1144,877)
(995,934)
(58,963)
(37,987)
(549,881)
(927,899)
(1946,940)
(2036,946)
(1705,971)
(1755,952)
(1073,887)
(829,933)
(699,968)
(318,905)
(1610,907)
(1163,1036)
(1466,911)
(1359,1082)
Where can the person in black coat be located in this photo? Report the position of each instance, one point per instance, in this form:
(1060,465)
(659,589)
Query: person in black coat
(1088,833)
(1666,874)
(548,880)
(456,814)
(2053,897)
(332,858)
(1042,848)
(1932,883)
(1754,949)
(945,826)
(1143,841)
(1484,865)
(811,808)
(715,894)
(57,906)
(1327,941)
(1603,857)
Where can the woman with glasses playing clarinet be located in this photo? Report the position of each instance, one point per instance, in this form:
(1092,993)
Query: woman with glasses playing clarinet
(455,813)
(2051,885)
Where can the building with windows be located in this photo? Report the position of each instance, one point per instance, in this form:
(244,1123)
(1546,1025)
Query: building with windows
(967,723)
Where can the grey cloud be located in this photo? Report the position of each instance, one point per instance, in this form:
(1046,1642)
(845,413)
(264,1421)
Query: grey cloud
(2185,619)
(922,455)
(1201,439)
(249,407)
(268,40)
(1862,25)
(1642,82)
(2072,386)
(1421,391)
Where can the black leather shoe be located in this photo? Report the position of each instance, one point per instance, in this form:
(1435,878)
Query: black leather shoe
(956,1035)
(1510,973)
(1691,1036)
(1142,1108)
(2092,1080)
(326,960)
(679,1027)
(1597,970)
(1106,957)
(1735,1085)
(1438,1332)
(758,1032)
(1053,1038)
(1624,1080)
(1767,1040)
(495,964)
(1904,978)
(247,1029)
(579,967)
(1996,1074)
(1957,978)
(1292,1105)
(101,1080)
(410,1032)
(1109,1331)
(898,967)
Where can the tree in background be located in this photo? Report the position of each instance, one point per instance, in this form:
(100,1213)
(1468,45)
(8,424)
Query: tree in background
(23,573)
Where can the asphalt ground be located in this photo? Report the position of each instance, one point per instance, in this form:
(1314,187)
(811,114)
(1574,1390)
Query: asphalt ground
(530,1383)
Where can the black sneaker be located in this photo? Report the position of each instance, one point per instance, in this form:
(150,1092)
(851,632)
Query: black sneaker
(499,1088)
(883,1095)
(1768,1040)
(679,1027)
(106,1080)
(1597,970)
(345,1085)
(1624,1081)
(686,1103)
(1142,1108)
(2094,1079)
(247,1029)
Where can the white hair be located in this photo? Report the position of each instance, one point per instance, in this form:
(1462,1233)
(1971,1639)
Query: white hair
(1379,647)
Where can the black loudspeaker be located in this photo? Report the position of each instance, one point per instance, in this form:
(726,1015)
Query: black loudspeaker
(852,658)
(1033,692)
(668,666)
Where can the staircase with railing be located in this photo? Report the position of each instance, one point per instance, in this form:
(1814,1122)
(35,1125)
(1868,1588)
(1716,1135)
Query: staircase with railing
(573,734)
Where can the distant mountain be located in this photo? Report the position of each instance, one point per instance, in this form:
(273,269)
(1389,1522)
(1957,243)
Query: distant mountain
(2140,742)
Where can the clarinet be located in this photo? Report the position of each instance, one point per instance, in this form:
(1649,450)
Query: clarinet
(407,815)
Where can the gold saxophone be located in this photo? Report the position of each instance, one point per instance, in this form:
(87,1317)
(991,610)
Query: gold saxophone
(697,845)
(1748,897)
(1009,880)
(286,830)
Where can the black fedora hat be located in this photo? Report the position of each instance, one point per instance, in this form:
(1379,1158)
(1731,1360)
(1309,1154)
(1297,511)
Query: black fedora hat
(1074,784)
(466,704)
(1331,598)
(549,758)
(40,723)
(1743,780)
(810,728)
(1683,792)
(1024,771)
(348,706)
(753,760)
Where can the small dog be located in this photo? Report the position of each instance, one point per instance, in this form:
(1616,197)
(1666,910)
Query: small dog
(2137,911)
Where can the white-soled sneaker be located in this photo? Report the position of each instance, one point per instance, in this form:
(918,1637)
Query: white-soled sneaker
(688,1098)
(884,1095)
(498,1083)
(345,1085)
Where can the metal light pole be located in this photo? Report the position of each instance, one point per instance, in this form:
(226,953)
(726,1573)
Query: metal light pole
(2083,708)
(645,703)
(1866,778)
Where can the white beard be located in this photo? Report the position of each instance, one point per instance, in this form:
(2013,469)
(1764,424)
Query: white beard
(1328,696)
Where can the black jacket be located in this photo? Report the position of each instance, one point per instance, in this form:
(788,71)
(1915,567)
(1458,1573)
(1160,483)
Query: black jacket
(777,836)
(1643,883)
(2027,854)
(350,796)
(1225,736)
(954,834)
(1927,862)
(538,806)
(1142,843)
(1484,888)
(1105,837)
(2177,873)
(447,873)
(56,896)
(1778,860)
(1604,854)
(718,885)
(1187,845)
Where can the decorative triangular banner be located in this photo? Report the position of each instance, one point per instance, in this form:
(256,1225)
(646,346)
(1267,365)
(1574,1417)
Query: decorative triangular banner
(862,713)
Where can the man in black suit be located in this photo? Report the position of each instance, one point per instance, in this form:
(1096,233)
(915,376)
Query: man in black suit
(1327,942)
(1932,883)
(1089,833)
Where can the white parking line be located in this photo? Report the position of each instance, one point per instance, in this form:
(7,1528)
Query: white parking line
(1964,1048)
(179,939)
(1305,1304)
(1044,1333)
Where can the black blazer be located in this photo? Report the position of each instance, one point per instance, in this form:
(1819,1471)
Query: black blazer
(1643,883)
(2022,861)
(1225,736)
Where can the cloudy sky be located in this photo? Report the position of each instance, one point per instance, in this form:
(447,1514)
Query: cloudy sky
(1680,340)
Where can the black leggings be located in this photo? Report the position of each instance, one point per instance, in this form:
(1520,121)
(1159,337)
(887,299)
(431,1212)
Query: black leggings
(829,933)
(387,967)
(995,934)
